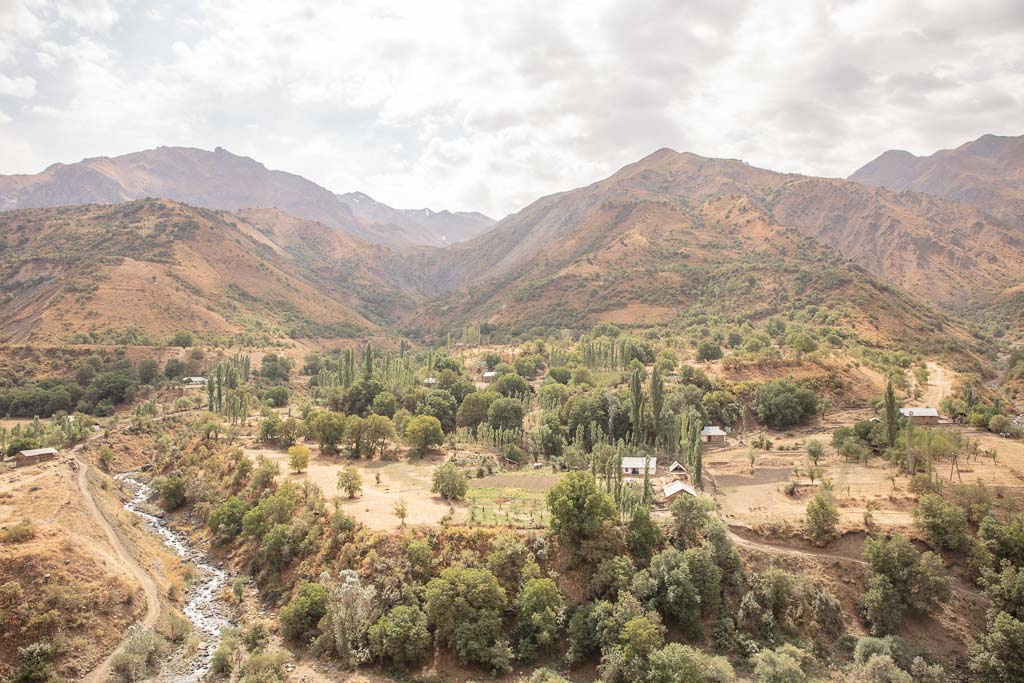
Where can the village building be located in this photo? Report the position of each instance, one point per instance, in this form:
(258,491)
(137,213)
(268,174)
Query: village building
(489,376)
(674,488)
(712,434)
(676,468)
(430,381)
(34,456)
(634,466)
(194,380)
(921,416)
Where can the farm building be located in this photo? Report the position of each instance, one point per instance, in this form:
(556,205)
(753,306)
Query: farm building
(674,488)
(633,466)
(712,434)
(489,376)
(676,468)
(921,416)
(194,380)
(34,456)
(430,381)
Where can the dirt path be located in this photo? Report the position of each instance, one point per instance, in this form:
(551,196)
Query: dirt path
(101,672)
(821,554)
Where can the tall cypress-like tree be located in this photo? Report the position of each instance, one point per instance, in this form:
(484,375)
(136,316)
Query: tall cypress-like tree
(636,394)
(368,362)
(657,402)
(892,415)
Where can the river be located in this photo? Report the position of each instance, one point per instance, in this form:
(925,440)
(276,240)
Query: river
(204,606)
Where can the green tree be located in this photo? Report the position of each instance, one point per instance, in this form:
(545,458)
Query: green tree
(891,415)
(449,482)
(678,663)
(822,517)
(708,351)
(643,536)
(298,457)
(422,432)
(377,430)
(511,385)
(539,607)
(350,481)
(465,606)
(300,617)
(579,510)
(474,408)
(401,636)
(328,428)
(225,520)
(505,413)
(782,403)
(944,522)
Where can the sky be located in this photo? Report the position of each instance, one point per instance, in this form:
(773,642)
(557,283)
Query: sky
(487,105)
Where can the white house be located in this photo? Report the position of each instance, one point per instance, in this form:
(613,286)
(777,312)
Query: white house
(712,434)
(194,380)
(674,488)
(430,381)
(633,466)
(489,376)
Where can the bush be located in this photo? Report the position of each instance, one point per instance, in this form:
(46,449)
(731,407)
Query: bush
(466,607)
(782,665)
(782,403)
(401,636)
(676,663)
(140,654)
(18,533)
(299,618)
(34,663)
(350,481)
(944,522)
(266,667)
(449,482)
(172,492)
(225,521)
(822,518)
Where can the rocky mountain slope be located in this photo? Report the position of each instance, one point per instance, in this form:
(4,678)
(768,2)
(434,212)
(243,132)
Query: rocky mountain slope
(987,173)
(158,267)
(941,251)
(418,226)
(222,180)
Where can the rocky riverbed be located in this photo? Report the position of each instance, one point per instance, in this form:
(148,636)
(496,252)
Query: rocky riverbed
(204,605)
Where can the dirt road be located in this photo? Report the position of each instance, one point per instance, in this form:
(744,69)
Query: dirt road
(101,672)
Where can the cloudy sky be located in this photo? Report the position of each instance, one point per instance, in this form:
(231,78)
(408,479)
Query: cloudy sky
(485,105)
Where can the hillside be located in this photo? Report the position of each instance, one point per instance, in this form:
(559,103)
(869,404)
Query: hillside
(225,181)
(664,231)
(158,266)
(987,173)
(657,241)
(417,226)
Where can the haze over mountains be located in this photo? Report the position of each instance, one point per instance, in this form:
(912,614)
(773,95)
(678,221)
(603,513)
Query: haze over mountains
(663,237)
(987,173)
(222,180)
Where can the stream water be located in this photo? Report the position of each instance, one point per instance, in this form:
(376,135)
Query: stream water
(204,606)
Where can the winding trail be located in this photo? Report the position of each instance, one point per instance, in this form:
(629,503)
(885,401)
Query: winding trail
(771,548)
(101,671)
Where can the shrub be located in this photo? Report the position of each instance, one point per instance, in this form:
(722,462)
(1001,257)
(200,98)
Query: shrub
(18,533)
(466,607)
(822,518)
(944,522)
(298,457)
(225,520)
(401,635)
(676,662)
(300,617)
(265,667)
(172,492)
(140,654)
(782,665)
(422,432)
(539,607)
(350,481)
(782,403)
(34,663)
(449,482)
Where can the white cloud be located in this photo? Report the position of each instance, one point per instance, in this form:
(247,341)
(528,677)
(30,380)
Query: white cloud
(4,118)
(488,105)
(19,86)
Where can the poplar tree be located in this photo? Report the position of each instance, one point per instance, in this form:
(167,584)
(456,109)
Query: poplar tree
(892,415)
(657,402)
(636,391)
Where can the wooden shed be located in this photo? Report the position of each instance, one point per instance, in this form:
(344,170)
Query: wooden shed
(34,456)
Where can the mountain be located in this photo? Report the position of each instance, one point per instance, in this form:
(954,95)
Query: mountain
(987,173)
(88,273)
(224,181)
(419,226)
(937,249)
(662,238)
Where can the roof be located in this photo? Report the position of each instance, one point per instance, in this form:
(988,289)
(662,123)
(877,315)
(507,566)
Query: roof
(430,380)
(673,487)
(676,466)
(38,451)
(712,430)
(919,412)
(637,463)
(490,373)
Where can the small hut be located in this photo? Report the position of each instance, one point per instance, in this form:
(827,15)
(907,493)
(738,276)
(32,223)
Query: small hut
(34,456)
